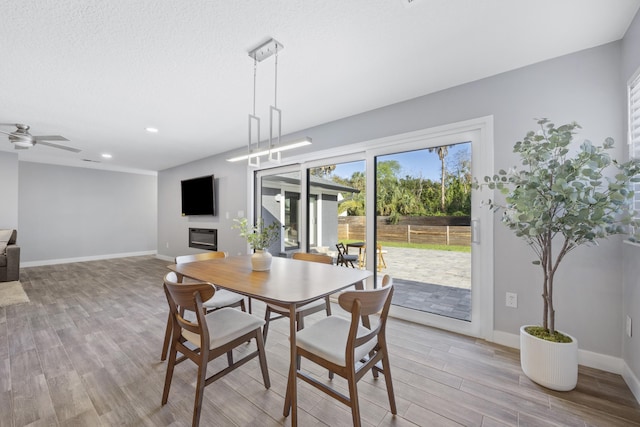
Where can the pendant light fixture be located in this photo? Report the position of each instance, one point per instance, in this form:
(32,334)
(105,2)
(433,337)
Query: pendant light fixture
(274,148)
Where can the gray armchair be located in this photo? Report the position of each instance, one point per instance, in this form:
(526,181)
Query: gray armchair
(9,256)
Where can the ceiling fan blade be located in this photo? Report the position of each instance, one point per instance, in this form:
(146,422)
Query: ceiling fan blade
(50,138)
(19,147)
(64,147)
(6,133)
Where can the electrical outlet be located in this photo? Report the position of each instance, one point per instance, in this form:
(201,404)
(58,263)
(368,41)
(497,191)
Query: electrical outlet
(167,243)
(629,326)
(511,300)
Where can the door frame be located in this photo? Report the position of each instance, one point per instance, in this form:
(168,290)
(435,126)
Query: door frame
(479,132)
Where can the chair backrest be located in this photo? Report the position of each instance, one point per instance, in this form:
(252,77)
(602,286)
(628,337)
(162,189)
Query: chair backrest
(361,304)
(341,249)
(342,252)
(368,302)
(199,257)
(189,297)
(325,259)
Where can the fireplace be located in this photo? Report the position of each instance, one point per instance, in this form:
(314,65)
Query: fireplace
(203,238)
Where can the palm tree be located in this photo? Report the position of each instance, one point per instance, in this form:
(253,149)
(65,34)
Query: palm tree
(442,153)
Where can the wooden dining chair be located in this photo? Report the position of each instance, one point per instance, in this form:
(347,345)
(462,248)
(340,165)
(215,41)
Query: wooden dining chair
(222,298)
(349,347)
(304,310)
(208,337)
(344,258)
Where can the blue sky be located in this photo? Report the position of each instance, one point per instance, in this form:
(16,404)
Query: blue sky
(414,163)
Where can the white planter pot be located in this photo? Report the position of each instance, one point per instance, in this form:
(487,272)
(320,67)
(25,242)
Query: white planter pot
(261,260)
(550,364)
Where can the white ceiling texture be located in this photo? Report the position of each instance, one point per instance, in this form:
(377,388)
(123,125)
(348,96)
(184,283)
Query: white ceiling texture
(100,72)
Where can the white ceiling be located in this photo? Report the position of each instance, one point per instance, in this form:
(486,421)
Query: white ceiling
(99,72)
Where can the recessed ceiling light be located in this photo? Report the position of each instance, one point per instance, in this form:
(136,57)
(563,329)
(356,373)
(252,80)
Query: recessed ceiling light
(106,156)
(151,130)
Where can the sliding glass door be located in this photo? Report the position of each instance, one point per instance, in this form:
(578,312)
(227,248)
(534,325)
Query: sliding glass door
(404,206)
(423,228)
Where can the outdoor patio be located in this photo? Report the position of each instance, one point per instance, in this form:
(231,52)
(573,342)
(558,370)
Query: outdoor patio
(434,281)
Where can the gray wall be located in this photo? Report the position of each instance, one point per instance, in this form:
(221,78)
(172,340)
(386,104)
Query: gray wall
(69,212)
(231,197)
(631,265)
(585,87)
(9,192)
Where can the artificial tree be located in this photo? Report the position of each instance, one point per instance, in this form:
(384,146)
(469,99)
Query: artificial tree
(563,194)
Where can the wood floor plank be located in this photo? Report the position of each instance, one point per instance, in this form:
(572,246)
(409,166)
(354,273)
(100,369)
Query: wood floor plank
(31,400)
(25,365)
(84,419)
(530,408)
(86,352)
(44,337)
(69,396)
(5,409)
(4,339)
(422,416)
(5,374)
(20,339)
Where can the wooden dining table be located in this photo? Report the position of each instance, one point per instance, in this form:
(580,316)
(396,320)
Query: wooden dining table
(289,283)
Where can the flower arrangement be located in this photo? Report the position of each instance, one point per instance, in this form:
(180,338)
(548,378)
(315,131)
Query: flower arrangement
(259,236)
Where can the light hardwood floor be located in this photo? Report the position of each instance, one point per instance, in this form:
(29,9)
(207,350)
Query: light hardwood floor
(86,352)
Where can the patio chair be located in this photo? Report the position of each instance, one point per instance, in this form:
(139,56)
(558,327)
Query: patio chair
(344,258)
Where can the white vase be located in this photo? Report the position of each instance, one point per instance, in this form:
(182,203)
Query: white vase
(261,260)
(550,364)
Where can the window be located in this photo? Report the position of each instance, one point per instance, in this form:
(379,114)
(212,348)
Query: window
(634,131)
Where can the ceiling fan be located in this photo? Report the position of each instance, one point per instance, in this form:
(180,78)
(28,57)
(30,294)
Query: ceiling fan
(22,139)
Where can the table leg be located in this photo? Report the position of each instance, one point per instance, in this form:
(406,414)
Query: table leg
(291,398)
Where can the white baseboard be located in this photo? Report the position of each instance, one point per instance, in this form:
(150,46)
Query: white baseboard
(632,381)
(590,359)
(601,361)
(165,258)
(507,339)
(83,259)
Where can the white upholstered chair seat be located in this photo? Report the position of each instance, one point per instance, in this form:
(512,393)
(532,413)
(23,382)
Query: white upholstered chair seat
(225,325)
(328,339)
(222,298)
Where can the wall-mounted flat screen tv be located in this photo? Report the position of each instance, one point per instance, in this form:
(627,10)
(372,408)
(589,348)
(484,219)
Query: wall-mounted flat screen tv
(198,196)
